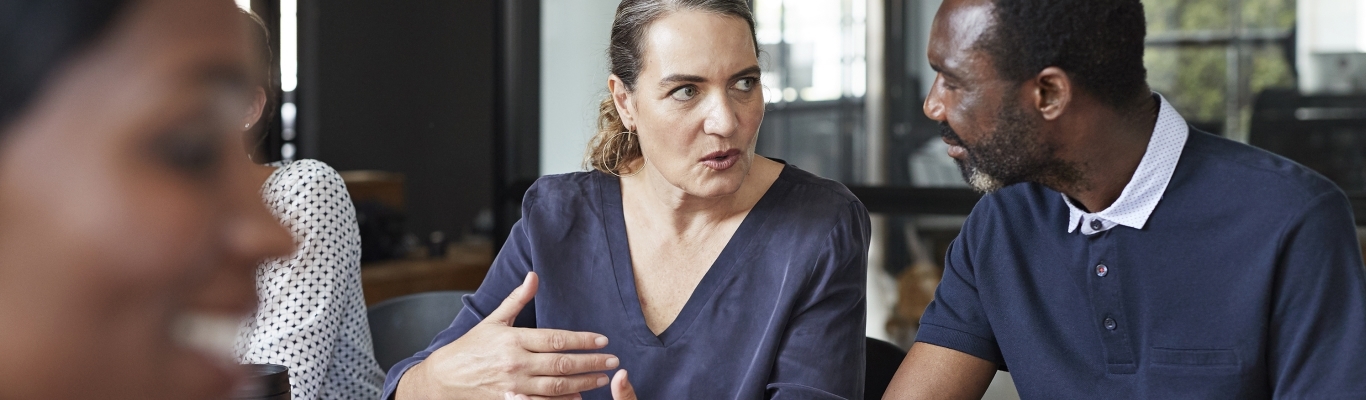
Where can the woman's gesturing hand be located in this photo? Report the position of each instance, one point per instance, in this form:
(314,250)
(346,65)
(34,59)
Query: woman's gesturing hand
(494,358)
(621,387)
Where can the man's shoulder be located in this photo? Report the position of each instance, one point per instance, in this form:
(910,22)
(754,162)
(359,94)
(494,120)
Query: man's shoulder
(1019,202)
(1238,170)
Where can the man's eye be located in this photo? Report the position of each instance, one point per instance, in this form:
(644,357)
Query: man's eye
(684,93)
(746,84)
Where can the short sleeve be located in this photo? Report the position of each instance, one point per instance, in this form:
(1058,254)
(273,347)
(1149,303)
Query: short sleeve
(1319,311)
(822,352)
(955,318)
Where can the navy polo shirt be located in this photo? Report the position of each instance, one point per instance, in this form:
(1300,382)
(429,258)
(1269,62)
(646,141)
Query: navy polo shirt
(1245,283)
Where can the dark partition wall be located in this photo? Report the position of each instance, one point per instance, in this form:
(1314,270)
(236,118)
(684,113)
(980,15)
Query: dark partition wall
(404,87)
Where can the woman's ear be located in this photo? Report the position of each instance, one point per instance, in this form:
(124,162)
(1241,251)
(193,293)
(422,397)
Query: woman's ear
(1052,92)
(621,97)
(254,109)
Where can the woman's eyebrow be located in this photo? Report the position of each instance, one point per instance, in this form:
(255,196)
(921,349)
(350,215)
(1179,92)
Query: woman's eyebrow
(676,78)
(752,70)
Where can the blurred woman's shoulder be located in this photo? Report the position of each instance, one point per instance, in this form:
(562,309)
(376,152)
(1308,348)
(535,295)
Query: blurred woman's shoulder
(295,179)
(305,171)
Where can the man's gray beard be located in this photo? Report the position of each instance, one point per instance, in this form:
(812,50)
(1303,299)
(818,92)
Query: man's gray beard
(982,182)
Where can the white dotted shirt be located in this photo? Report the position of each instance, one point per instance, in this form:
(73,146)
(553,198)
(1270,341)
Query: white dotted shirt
(1149,182)
(311,316)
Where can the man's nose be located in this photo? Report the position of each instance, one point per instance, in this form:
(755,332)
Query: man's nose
(934,105)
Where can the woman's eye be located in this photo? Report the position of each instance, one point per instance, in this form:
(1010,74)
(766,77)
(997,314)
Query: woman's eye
(684,93)
(746,84)
(191,150)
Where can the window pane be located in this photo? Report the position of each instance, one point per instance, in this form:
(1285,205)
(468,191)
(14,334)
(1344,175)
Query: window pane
(1192,78)
(1269,14)
(1166,16)
(1270,69)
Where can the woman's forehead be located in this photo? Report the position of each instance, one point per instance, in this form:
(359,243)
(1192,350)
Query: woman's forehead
(183,37)
(697,43)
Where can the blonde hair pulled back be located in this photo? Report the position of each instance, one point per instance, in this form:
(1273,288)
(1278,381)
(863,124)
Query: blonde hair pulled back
(614,147)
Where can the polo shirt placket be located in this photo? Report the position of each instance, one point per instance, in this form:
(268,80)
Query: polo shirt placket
(1107,303)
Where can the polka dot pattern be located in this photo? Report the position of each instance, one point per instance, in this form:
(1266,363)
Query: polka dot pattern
(311,316)
(1145,189)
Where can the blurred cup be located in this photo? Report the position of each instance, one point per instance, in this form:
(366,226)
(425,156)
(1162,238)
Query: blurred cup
(264,382)
(436,244)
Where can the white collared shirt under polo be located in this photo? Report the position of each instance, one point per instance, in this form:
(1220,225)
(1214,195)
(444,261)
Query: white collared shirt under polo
(1145,189)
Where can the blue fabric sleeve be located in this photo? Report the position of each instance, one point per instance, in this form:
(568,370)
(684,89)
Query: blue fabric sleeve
(1317,345)
(822,354)
(508,271)
(955,318)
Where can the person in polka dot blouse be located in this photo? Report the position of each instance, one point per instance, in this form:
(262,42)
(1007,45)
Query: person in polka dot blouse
(311,315)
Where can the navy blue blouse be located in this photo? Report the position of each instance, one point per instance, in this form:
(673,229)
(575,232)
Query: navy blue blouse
(780,314)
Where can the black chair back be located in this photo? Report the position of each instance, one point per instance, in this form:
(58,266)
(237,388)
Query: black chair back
(403,326)
(882,361)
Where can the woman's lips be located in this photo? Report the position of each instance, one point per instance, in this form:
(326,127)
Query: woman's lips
(721,160)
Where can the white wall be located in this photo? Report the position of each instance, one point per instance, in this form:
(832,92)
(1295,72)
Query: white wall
(1325,27)
(926,17)
(574,36)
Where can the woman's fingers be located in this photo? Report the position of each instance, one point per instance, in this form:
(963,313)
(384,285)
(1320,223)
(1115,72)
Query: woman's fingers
(621,387)
(512,305)
(552,386)
(574,396)
(554,340)
(557,364)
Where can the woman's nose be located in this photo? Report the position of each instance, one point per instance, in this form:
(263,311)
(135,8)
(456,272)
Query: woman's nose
(721,118)
(254,234)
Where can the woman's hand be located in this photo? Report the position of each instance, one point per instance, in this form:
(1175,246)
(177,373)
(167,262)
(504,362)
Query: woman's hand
(621,387)
(494,358)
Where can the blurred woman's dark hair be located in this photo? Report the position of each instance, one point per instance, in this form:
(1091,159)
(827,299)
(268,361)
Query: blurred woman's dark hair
(263,64)
(37,37)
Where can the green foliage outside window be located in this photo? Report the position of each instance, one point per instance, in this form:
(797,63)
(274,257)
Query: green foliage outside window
(1194,77)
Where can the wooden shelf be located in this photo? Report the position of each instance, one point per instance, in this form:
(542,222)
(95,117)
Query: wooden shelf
(463,268)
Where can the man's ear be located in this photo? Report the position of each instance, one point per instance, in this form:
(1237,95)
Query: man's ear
(621,97)
(1052,93)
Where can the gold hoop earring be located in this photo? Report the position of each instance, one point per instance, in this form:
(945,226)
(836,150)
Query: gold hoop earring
(616,156)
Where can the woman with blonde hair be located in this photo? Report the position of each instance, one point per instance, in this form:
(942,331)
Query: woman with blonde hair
(705,270)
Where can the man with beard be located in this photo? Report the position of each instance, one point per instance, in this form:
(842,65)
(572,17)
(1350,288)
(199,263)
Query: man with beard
(1120,253)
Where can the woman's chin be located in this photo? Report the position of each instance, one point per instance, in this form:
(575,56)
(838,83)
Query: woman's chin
(201,356)
(197,375)
(718,185)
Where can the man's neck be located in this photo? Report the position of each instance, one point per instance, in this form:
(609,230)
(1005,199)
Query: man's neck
(1108,150)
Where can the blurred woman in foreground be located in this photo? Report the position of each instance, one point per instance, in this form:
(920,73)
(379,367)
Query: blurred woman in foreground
(707,271)
(130,223)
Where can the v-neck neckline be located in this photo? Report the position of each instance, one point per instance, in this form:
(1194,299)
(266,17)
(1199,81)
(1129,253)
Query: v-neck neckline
(614,220)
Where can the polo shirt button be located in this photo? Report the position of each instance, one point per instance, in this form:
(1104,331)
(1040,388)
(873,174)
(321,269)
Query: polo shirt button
(1110,324)
(1096,225)
(1102,270)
